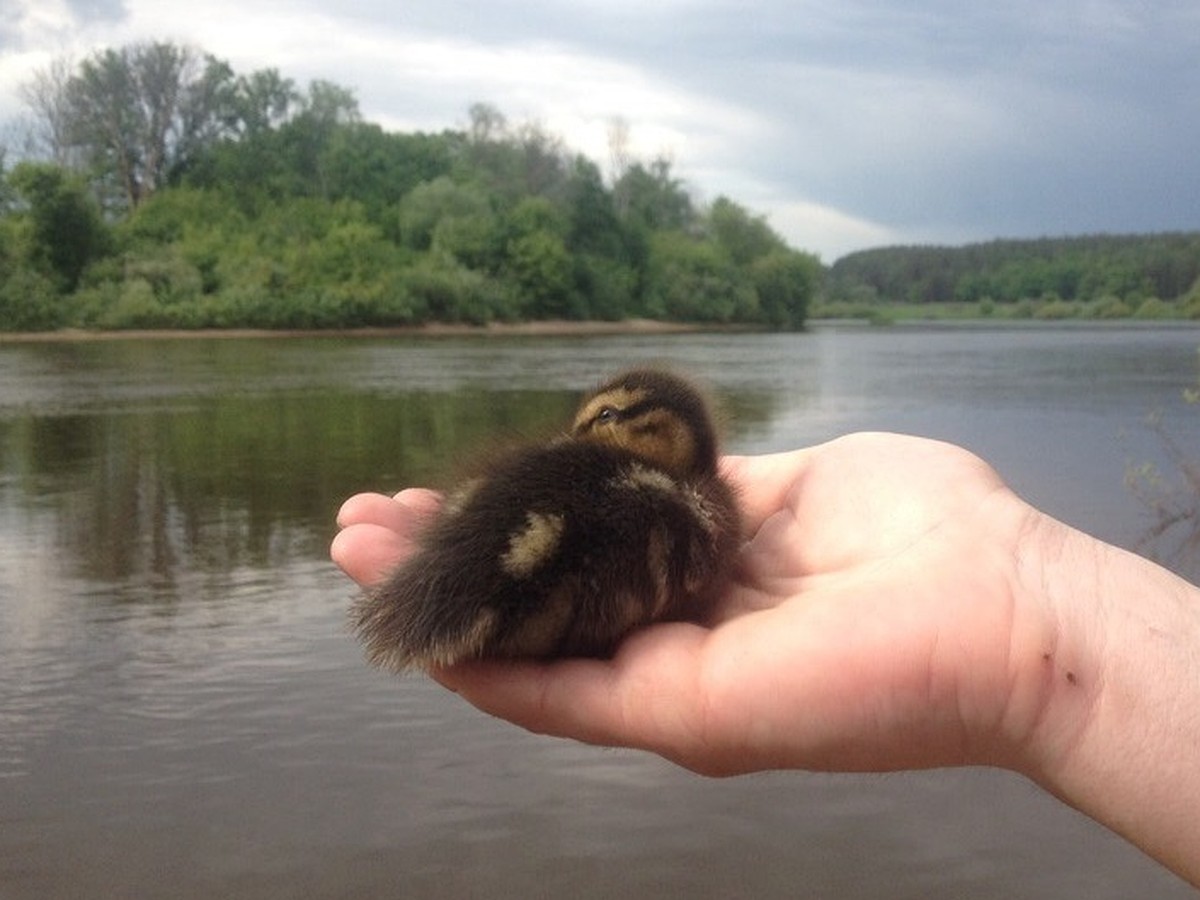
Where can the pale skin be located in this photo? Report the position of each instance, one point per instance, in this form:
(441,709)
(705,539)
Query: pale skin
(898,607)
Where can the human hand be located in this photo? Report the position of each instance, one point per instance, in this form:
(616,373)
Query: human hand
(871,626)
(896,607)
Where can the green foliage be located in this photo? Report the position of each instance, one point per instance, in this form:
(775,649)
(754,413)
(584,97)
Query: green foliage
(29,301)
(1190,302)
(652,198)
(448,217)
(446,291)
(744,237)
(540,266)
(266,205)
(785,281)
(66,231)
(1085,269)
(1109,307)
(1154,308)
(694,280)
(1052,308)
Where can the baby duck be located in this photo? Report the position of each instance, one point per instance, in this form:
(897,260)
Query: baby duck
(564,548)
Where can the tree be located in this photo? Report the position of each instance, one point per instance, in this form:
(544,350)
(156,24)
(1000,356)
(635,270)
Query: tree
(208,112)
(785,281)
(123,106)
(695,280)
(136,114)
(619,155)
(487,123)
(541,267)
(538,262)
(67,230)
(45,95)
(653,198)
(744,237)
(436,204)
(365,163)
(594,225)
(326,108)
(262,101)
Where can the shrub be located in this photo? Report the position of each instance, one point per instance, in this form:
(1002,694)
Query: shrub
(1055,309)
(1154,308)
(29,302)
(1109,307)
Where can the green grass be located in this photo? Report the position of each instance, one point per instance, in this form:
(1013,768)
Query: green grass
(888,313)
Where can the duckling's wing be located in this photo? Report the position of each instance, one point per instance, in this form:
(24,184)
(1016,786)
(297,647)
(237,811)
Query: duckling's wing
(646,548)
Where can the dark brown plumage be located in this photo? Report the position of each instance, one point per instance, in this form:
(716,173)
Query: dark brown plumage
(563,548)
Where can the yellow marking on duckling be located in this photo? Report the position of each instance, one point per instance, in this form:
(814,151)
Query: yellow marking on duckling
(637,477)
(532,545)
(662,438)
(657,560)
(700,508)
(461,496)
(656,434)
(468,645)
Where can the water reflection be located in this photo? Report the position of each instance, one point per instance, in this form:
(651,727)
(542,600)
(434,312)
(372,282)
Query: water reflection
(242,480)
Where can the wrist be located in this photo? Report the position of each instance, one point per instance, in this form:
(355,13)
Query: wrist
(1110,722)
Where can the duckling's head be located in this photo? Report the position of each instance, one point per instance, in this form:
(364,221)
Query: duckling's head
(657,416)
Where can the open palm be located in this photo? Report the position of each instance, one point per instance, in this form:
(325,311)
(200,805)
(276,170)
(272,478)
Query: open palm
(873,624)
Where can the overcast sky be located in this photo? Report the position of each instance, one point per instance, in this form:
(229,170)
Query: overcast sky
(849,123)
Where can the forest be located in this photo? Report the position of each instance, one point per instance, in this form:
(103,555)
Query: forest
(1098,276)
(158,188)
(152,186)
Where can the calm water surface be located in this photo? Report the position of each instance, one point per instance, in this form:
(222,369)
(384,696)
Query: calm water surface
(182,713)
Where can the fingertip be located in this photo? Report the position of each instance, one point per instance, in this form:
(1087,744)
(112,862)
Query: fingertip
(367,552)
(421,501)
(357,508)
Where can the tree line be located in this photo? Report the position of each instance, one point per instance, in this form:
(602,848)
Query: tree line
(1106,275)
(160,188)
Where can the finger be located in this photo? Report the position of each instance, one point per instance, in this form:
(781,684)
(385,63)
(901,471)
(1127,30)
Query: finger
(401,513)
(646,697)
(368,552)
(763,484)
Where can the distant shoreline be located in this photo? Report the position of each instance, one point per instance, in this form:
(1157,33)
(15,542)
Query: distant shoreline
(547,328)
(565,328)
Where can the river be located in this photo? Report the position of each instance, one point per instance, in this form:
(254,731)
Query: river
(183,714)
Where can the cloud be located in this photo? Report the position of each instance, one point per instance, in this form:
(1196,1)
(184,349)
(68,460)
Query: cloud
(849,121)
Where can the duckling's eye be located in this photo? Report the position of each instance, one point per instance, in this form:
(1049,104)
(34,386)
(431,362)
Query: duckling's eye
(606,414)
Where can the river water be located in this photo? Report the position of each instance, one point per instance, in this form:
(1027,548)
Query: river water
(182,713)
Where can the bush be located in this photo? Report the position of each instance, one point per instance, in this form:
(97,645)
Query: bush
(174,280)
(784,281)
(1154,308)
(29,302)
(443,291)
(1109,307)
(606,286)
(135,307)
(1055,309)
(694,280)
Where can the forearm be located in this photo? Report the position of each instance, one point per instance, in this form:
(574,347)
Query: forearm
(1118,736)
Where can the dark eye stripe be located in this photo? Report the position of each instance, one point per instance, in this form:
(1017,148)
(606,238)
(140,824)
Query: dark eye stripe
(632,412)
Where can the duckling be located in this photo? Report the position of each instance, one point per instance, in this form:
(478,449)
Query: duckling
(563,548)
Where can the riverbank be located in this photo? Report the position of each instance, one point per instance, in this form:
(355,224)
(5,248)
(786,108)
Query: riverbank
(565,328)
(547,328)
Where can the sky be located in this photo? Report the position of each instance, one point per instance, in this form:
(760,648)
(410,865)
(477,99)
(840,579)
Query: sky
(848,123)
